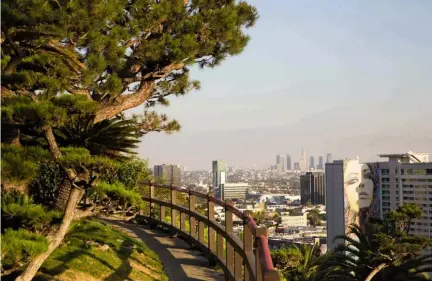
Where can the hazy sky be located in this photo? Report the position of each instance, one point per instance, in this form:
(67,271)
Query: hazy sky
(349,77)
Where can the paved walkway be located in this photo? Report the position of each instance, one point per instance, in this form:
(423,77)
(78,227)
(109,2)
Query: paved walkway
(180,262)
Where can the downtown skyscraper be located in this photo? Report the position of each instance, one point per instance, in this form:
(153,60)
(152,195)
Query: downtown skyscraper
(303,161)
(329,158)
(312,163)
(280,162)
(320,163)
(288,166)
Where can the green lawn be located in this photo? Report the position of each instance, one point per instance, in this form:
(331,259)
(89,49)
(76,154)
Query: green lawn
(94,251)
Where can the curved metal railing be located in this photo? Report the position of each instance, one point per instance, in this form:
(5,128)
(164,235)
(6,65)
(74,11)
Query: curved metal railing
(246,259)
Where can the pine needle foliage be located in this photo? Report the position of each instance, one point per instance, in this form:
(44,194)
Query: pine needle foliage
(118,191)
(20,211)
(101,50)
(21,163)
(19,245)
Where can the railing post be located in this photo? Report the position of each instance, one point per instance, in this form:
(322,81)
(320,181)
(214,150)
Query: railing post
(182,221)
(220,247)
(192,222)
(152,191)
(201,232)
(262,231)
(162,213)
(173,211)
(229,230)
(211,216)
(247,242)
(238,267)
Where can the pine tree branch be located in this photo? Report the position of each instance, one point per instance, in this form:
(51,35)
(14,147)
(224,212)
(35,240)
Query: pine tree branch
(79,92)
(125,102)
(17,50)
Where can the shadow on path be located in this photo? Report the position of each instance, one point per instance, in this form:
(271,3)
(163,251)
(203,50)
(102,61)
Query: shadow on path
(180,263)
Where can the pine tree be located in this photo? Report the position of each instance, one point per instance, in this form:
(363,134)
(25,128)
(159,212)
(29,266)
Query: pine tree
(99,58)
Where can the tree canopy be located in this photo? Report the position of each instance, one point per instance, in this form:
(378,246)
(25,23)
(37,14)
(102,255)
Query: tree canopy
(70,70)
(119,54)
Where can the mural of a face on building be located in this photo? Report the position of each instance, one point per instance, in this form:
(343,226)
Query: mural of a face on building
(366,187)
(359,191)
(359,186)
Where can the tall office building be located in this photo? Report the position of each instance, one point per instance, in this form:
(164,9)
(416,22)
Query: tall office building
(312,163)
(168,174)
(356,192)
(312,187)
(320,163)
(289,167)
(303,161)
(329,158)
(297,166)
(219,173)
(280,162)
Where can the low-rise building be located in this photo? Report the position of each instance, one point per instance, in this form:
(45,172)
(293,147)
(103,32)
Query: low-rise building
(233,190)
(294,220)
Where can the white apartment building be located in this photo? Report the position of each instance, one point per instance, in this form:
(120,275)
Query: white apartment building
(356,191)
(407,178)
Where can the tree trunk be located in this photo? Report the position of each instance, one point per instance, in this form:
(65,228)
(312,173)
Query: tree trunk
(63,195)
(375,271)
(55,241)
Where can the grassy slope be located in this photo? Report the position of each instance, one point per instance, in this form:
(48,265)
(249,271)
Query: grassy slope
(83,256)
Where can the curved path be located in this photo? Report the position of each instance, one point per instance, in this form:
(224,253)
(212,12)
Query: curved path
(180,262)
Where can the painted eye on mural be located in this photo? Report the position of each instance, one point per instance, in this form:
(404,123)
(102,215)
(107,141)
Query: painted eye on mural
(352,181)
(367,174)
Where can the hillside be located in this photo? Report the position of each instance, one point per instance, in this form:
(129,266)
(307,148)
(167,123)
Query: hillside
(94,251)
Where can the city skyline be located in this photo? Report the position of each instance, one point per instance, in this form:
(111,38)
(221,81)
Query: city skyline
(293,160)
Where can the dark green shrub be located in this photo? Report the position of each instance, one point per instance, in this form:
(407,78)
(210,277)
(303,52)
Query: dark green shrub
(44,188)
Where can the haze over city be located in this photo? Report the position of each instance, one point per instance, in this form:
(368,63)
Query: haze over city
(351,78)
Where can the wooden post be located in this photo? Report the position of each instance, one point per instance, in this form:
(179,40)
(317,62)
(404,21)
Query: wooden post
(211,216)
(173,211)
(229,230)
(262,231)
(247,242)
(162,213)
(201,232)
(152,205)
(192,221)
(182,221)
(238,267)
(220,247)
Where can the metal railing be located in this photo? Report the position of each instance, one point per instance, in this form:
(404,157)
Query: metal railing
(246,259)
